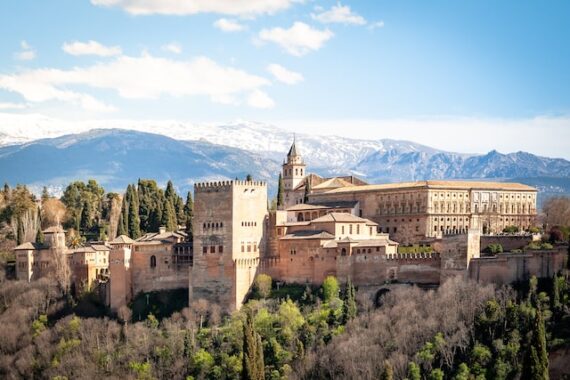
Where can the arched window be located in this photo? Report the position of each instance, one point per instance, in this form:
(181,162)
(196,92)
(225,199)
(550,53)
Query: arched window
(153,261)
(343,252)
(296,171)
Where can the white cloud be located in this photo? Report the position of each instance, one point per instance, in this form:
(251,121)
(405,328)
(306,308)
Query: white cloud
(298,40)
(27,53)
(91,48)
(124,75)
(13,106)
(284,75)
(190,7)
(376,25)
(228,25)
(339,14)
(173,47)
(260,99)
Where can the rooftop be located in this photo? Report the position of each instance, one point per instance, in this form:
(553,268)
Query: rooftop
(122,239)
(342,217)
(308,234)
(462,185)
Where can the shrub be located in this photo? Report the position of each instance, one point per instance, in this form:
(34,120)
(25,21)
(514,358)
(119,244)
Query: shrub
(262,285)
(511,229)
(494,248)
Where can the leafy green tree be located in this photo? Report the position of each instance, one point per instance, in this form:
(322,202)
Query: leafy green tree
(189,214)
(331,289)
(280,189)
(253,367)
(262,285)
(414,372)
(462,372)
(436,374)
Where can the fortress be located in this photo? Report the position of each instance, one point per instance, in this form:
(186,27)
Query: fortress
(415,232)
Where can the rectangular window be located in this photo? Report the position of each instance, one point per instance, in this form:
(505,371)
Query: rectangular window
(358,229)
(221,249)
(204,250)
(342,229)
(213,249)
(350,229)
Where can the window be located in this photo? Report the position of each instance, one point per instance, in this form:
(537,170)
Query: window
(350,229)
(342,229)
(358,229)
(221,249)
(213,249)
(153,261)
(204,250)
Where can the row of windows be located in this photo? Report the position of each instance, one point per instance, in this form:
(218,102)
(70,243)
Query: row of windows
(248,247)
(212,249)
(249,224)
(289,172)
(213,225)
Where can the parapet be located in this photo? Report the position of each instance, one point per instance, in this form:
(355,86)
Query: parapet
(226,185)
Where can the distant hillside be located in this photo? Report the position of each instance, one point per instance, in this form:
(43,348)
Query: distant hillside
(116,157)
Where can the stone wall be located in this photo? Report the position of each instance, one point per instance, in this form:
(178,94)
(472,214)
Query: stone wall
(507,268)
(508,242)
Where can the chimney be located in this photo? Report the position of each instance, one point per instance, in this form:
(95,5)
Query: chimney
(161,229)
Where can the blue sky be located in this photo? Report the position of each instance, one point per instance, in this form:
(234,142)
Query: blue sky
(418,70)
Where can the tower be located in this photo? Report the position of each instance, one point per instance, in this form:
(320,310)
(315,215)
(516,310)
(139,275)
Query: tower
(293,175)
(229,226)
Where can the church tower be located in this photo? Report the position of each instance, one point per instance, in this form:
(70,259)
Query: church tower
(293,175)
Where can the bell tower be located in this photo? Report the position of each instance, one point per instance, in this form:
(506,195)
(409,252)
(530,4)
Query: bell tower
(294,174)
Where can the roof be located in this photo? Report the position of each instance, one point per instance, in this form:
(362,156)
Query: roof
(84,249)
(462,185)
(100,247)
(29,246)
(53,229)
(292,150)
(158,237)
(332,183)
(308,234)
(342,217)
(122,239)
(361,243)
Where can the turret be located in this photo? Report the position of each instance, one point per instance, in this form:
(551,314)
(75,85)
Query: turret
(293,169)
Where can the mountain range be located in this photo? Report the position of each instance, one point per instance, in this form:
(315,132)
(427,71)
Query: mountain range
(185,154)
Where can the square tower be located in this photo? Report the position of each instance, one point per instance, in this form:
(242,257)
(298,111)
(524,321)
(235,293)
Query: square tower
(229,226)
(294,173)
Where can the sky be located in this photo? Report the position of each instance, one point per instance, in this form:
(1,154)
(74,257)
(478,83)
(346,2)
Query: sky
(466,76)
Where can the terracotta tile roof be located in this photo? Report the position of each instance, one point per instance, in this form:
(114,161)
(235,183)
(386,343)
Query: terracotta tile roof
(29,245)
(463,185)
(122,239)
(332,183)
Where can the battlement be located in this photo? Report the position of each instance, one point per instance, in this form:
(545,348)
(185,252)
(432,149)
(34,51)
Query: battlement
(413,256)
(226,185)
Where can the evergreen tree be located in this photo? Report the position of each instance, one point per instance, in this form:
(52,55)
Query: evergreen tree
(307,190)
(40,239)
(133,216)
(252,362)
(122,228)
(85,222)
(535,365)
(387,372)
(168,216)
(280,187)
(20,232)
(555,293)
(349,307)
(249,178)
(189,213)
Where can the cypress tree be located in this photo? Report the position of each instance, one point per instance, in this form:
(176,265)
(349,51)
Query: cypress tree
(45,194)
(535,366)
(249,178)
(252,362)
(123,227)
(133,218)
(86,212)
(20,233)
(189,213)
(168,216)
(555,293)
(307,190)
(280,187)
(349,305)
(414,372)
(40,239)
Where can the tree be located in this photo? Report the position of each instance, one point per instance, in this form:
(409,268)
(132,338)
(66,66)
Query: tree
(133,216)
(168,216)
(462,372)
(387,372)
(189,213)
(40,235)
(414,372)
(262,285)
(253,367)
(85,223)
(280,188)
(349,306)
(249,178)
(436,374)
(307,190)
(45,194)
(330,288)
(535,365)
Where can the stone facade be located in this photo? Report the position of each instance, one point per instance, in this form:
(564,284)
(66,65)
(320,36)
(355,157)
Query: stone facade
(230,223)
